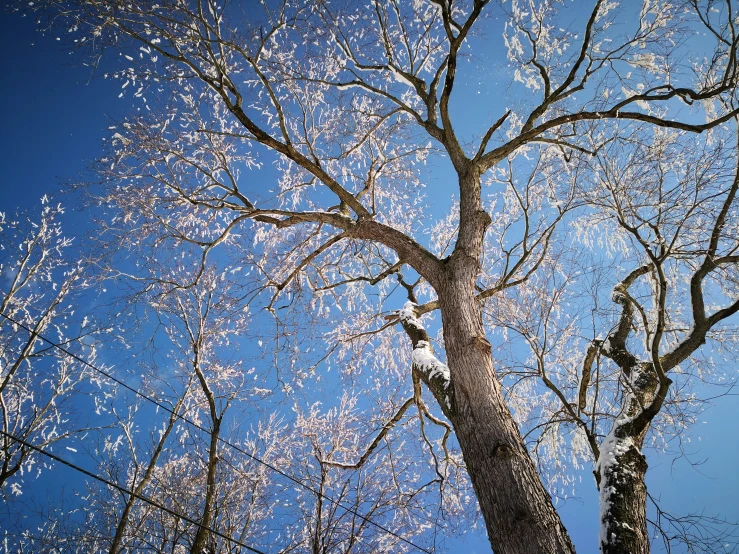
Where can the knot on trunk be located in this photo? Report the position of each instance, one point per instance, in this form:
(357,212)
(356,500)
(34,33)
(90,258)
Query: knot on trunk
(503,451)
(485,218)
(482,344)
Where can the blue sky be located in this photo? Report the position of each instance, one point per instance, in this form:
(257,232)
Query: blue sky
(55,113)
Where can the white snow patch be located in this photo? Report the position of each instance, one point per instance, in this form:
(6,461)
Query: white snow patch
(408,313)
(347,86)
(610,450)
(423,356)
(399,77)
(424,360)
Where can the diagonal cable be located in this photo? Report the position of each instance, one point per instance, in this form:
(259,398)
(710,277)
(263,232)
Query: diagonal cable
(128,491)
(222,440)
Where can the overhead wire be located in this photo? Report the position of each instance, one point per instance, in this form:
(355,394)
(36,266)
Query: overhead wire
(126,490)
(220,439)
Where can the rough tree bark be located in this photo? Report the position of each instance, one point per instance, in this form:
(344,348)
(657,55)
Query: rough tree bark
(620,474)
(621,465)
(520,517)
(519,514)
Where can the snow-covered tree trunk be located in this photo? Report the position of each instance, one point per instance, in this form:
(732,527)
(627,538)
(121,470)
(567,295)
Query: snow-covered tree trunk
(621,466)
(620,472)
(623,496)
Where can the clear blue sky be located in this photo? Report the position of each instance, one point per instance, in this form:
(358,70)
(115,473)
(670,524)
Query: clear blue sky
(55,113)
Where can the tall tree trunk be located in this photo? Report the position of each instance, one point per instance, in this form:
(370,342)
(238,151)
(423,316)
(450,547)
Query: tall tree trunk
(519,515)
(200,542)
(621,468)
(518,511)
(623,496)
(117,542)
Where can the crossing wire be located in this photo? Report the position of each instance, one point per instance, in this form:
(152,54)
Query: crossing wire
(128,491)
(224,441)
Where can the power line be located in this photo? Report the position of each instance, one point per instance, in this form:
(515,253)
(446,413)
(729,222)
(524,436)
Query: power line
(128,491)
(222,440)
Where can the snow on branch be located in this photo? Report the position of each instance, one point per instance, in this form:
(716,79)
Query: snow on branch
(432,371)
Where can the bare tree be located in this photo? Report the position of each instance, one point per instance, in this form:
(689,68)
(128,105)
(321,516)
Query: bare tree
(665,208)
(37,384)
(683,224)
(349,102)
(196,381)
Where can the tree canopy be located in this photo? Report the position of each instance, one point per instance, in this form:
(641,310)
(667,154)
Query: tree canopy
(454,302)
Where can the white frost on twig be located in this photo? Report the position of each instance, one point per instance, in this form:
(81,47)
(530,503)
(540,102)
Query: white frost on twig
(347,86)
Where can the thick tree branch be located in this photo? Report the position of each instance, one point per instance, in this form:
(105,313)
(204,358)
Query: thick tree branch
(376,441)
